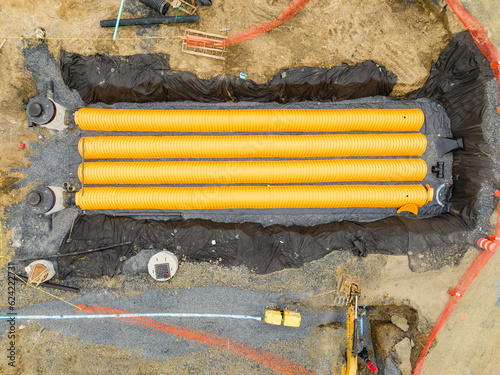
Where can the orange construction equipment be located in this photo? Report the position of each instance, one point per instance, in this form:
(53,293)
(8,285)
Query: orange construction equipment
(253,197)
(253,146)
(251,120)
(252,172)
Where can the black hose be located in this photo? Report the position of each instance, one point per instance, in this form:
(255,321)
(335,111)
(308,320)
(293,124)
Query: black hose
(52,285)
(150,21)
(158,5)
(75,253)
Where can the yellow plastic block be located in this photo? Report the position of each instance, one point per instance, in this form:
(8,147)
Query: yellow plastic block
(273,317)
(291,319)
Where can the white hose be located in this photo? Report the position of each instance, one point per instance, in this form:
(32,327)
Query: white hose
(171,315)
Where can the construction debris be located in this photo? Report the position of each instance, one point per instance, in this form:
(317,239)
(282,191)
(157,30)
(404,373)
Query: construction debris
(400,322)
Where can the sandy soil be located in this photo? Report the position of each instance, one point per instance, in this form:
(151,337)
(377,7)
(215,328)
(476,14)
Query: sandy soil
(405,39)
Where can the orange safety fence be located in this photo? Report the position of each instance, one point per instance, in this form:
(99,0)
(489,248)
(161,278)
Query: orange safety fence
(479,36)
(258,29)
(458,292)
(242,350)
(263,27)
(194,41)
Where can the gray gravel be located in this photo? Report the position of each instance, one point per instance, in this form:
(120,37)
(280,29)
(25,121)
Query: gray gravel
(156,345)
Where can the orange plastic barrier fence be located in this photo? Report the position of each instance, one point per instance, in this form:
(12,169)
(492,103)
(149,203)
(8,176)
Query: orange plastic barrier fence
(225,344)
(194,41)
(459,291)
(253,146)
(258,29)
(252,172)
(256,197)
(480,37)
(251,120)
(295,7)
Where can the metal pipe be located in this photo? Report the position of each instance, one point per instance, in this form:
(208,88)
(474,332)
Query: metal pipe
(101,316)
(151,21)
(355,334)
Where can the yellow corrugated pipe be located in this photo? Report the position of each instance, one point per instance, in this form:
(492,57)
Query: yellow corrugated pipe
(252,172)
(251,120)
(253,146)
(227,197)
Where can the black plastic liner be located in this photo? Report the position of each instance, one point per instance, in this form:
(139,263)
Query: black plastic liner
(148,78)
(261,249)
(458,82)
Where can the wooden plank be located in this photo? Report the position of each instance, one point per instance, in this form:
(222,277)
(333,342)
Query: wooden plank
(220,51)
(203,33)
(204,54)
(190,51)
(214,53)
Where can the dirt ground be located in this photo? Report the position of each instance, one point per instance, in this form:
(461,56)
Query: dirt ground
(404,36)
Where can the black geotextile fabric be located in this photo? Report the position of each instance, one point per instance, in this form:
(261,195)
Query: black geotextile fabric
(263,249)
(457,82)
(148,78)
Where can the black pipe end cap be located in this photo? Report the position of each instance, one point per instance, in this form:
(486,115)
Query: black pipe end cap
(35,110)
(40,110)
(34,198)
(41,199)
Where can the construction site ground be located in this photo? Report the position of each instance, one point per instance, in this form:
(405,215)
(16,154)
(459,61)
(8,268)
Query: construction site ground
(404,36)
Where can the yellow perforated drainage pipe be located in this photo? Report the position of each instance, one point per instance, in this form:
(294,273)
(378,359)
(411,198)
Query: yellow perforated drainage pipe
(227,197)
(251,120)
(248,172)
(253,146)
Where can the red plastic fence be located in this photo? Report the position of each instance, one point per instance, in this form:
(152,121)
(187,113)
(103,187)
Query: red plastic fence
(460,289)
(258,29)
(480,37)
(248,352)
(194,41)
(263,27)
